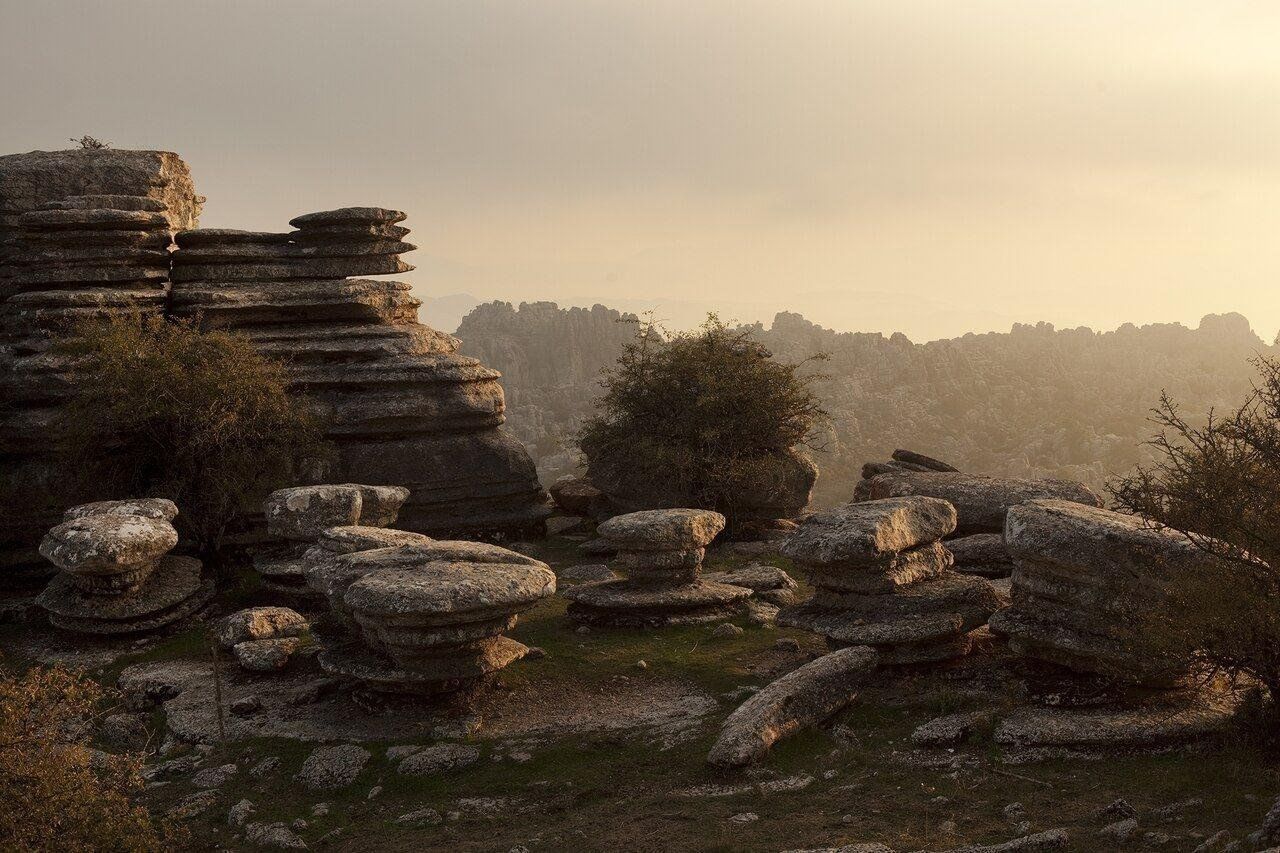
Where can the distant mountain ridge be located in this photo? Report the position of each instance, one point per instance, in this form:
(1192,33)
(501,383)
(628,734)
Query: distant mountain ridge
(1034,401)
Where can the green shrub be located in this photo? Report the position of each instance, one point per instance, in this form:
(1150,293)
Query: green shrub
(700,414)
(163,409)
(1219,484)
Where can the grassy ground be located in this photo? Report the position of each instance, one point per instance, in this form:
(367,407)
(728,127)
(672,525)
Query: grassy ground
(859,779)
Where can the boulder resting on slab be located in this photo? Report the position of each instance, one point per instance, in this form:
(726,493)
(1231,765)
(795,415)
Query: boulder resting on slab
(800,698)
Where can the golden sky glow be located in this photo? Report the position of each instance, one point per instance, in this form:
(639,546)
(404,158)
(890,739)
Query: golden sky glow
(930,167)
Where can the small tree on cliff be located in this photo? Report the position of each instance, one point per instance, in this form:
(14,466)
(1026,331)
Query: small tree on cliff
(166,410)
(698,414)
(1219,485)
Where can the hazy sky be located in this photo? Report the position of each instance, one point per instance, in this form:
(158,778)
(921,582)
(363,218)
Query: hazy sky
(931,167)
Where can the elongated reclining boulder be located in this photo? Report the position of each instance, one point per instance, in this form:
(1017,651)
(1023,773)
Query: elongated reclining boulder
(801,698)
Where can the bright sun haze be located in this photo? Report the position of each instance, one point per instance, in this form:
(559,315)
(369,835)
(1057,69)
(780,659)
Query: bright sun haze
(926,167)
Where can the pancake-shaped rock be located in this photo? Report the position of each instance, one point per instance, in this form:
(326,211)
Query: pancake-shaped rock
(663,529)
(886,574)
(320,234)
(349,216)
(302,267)
(644,604)
(173,591)
(108,202)
(92,219)
(227,237)
(860,533)
(363,537)
(443,675)
(252,303)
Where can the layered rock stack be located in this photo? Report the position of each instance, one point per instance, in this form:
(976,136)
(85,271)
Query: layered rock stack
(117,574)
(883,578)
(428,618)
(304,515)
(660,552)
(981,503)
(401,405)
(83,235)
(1089,589)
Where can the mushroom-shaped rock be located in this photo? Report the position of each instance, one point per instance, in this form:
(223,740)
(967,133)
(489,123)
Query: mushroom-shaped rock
(332,577)
(861,533)
(157,508)
(663,529)
(106,552)
(800,698)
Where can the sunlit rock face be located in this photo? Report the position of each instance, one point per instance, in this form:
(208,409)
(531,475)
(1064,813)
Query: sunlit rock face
(401,406)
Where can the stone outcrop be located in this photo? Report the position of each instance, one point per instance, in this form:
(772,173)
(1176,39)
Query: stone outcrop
(1088,588)
(430,619)
(802,697)
(660,553)
(117,576)
(981,554)
(263,639)
(981,502)
(882,578)
(83,235)
(401,404)
(305,516)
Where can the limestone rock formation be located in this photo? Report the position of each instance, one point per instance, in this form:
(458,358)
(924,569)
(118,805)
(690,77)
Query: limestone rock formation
(800,698)
(117,577)
(981,554)
(83,235)
(401,404)
(882,579)
(981,502)
(305,515)
(1087,586)
(660,552)
(428,619)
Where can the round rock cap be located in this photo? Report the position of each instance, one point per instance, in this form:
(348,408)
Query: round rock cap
(663,529)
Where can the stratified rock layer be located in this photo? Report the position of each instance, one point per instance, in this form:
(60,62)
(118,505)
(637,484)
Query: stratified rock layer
(882,579)
(660,551)
(401,405)
(83,235)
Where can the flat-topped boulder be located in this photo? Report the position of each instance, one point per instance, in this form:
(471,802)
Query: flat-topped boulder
(662,529)
(1088,583)
(637,603)
(980,502)
(303,513)
(174,590)
(862,533)
(109,552)
(260,623)
(364,537)
(156,508)
(769,582)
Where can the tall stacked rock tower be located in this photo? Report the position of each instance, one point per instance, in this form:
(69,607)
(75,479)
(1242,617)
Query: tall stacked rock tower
(83,234)
(402,406)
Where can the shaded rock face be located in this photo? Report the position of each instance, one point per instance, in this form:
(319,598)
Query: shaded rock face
(402,406)
(83,235)
(882,578)
(1087,584)
(660,553)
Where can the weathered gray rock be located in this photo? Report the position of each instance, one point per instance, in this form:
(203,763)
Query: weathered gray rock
(913,458)
(768,582)
(261,623)
(663,529)
(980,502)
(109,553)
(303,513)
(266,655)
(174,590)
(1086,583)
(275,835)
(439,759)
(349,216)
(801,698)
(576,496)
(638,603)
(862,533)
(329,768)
(155,508)
(589,573)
